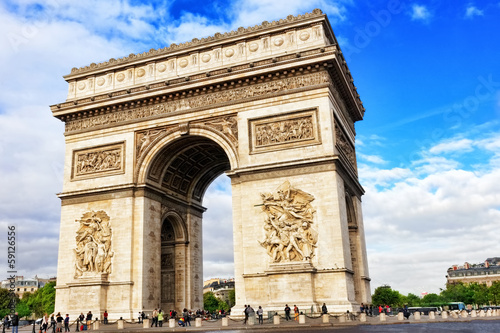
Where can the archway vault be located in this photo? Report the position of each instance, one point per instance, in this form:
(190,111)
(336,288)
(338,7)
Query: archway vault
(185,166)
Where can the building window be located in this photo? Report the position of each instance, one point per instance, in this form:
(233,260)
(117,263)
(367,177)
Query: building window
(32,289)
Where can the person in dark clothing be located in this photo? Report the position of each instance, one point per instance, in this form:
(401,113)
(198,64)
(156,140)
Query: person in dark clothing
(287,312)
(15,323)
(324,310)
(66,323)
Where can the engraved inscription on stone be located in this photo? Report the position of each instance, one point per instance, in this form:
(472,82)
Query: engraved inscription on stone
(98,161)
(93,244)
(291,130)
(288,224)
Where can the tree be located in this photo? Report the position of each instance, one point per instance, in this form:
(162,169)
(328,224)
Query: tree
(212,303)
(23,309)
(384,295)
(232,298)
(5,301)
(412,300)
(494,293)
(432,300)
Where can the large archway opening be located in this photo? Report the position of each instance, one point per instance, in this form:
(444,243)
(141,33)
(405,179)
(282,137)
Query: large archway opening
(183,170)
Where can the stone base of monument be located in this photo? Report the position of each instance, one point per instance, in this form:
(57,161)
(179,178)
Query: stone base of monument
(326,318)
(362,317)
(416,315)
(276,320)
(444,315)
(382,317)
(145,323)
(401,316)
(120,323)
(171,323)
(473,314)
(464,314)
(432,315)
(95,325)
(302,319)
(225,321)
(197,322)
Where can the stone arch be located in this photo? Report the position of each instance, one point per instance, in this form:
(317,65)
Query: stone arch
(144,161)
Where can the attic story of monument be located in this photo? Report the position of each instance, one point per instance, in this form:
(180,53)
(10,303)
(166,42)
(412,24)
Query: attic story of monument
(272,106)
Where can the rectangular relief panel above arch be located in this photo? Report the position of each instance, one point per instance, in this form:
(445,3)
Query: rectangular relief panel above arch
(98,161)
(284,131)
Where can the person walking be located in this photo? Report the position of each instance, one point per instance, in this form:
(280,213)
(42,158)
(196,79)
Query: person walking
(52,323)
(160,318)
(155,318)
(260,313)
(15,323)
(45,322)
(66,323)
(245,311)
(287,313)
(296,313)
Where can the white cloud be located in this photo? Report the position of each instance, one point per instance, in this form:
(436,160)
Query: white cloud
(472,11)
(420,12)
(372,158)
(462,145)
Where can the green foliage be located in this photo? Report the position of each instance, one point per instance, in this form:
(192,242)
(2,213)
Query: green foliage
(212,303)
(384,295)
(41,301)
(494,292)
(432,300)
(5,299)
(232,298)
(23,309)
(412,300)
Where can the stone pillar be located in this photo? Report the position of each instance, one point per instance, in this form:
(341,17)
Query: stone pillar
(432,315)
(342,318)
(120,324)
(276,319)
(444,315)
(416,315)
(302,319)
(251,320)
(464,314)
(225,321)
(488,313)
(145,323)
(481,313)
(95,325)
(473,314)
(382,317)
(401,316)
(326,318)
(454,315)
(171,322)
(197,322)
(362,317)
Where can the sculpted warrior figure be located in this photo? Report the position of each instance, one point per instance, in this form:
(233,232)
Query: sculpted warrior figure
(93,244)
(289,235)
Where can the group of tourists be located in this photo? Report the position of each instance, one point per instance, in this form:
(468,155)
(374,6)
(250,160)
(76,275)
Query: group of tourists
(369,310)
(159,316)
(14,322)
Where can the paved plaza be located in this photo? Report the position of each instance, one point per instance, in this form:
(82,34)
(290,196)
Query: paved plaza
(373,324)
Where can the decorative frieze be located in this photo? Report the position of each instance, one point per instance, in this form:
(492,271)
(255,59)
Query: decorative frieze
(345,146)
(98,161)
(208,100)
(285,131)
(288,224)
(93,245)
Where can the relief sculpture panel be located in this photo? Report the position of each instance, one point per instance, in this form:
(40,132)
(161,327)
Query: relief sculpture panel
(345,146)
(93,244)
(288,224)
(98,161)
(281,132)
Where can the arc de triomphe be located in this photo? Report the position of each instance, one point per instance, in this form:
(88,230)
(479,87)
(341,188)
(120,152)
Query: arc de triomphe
(273,106)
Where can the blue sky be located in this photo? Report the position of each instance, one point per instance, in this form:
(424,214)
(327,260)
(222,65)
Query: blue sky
(428,149)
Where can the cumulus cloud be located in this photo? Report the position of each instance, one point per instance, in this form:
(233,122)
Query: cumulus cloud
(461,145)
(420,13)
(471,11)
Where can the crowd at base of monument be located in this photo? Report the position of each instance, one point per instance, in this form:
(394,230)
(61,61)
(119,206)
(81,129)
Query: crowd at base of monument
(270,319)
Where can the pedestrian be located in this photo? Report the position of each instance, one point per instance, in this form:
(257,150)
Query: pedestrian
(187,319)
(105,315)
(295,313)
(66,323)
(52,323)
(155,318)
(160,318)
(6,322)
(59,320)
(260,313)
(287,312)
(15,323)
(89,320)
(324,309)
(362,308)
(245,311)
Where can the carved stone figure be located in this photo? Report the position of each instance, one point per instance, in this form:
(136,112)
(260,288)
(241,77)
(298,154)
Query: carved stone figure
(98,161)
(284,131)
(289,235)
(93,244)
